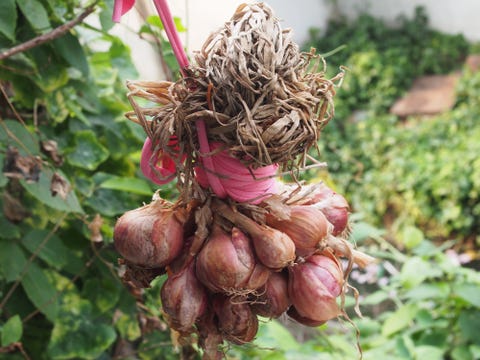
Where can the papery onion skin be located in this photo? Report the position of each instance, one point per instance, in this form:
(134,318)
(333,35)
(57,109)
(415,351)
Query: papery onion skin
(314,286)
(333,205)
(184,299)
(274,248)
(307,227)
(150,236)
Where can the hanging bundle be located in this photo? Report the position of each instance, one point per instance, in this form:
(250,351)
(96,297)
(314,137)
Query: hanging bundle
(238,243)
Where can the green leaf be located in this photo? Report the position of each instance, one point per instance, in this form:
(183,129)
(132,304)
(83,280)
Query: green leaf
(274,335)
(36,14)
(411,236)
(17,135)
(375,298)
(461,353)
(72,51)
(8,18)
(40,291)
(469,292)
(3,178)
(155,21)
(468,323)
(88,153)
(105,299)
(9,230)
(12,260)
(12,330)
(51,78)
(133,185)
(109,202)
(53,252)
(362,231)
(399,320)
(127,326)
(429,352)
(178,24)
(106,16)
(438,290)
(77,335)
(41,191)
(57,105)
(415,270)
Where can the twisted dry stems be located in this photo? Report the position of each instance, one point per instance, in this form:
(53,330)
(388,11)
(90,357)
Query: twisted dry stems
(257,93)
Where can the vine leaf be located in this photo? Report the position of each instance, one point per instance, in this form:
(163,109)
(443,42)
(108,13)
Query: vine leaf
(12,330)
(8,18)
(41,190)
(53,252)
(78,335)
(40,291)
(88,153)
(12,260)
(36,14)
(70,49)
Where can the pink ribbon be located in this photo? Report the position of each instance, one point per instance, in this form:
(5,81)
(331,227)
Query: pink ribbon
(120,7)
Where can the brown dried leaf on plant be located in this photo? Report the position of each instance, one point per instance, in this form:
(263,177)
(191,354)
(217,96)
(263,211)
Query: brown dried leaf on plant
(17,166)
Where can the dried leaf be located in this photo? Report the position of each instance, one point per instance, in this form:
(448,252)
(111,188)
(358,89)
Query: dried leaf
(17,166)
(95,229)
(50,148)
(59,186)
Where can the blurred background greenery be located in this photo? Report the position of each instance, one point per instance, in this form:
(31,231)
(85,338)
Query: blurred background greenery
(413,184)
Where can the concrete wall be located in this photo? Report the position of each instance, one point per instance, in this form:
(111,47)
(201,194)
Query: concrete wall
(201,17)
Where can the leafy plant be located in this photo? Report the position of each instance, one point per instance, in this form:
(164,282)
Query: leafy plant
(70,167)
(421,304)
(401,173)
(383,60)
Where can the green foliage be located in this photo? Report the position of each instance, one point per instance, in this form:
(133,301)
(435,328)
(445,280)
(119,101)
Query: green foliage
(61,296)
(420,305)
(383,60)
(419,172)
(12,331)
(424,172)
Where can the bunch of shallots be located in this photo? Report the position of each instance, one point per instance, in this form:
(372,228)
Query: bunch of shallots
(224,268)
(252,102)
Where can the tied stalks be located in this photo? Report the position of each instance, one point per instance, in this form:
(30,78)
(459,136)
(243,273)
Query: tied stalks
(261,97)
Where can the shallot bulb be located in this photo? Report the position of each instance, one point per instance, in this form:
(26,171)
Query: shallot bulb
(236,321)
(184,299)
(227,263)
(334,207)
(273,248)
(150,236)
(307,226)
(314,286)
(274,299)
(293,313)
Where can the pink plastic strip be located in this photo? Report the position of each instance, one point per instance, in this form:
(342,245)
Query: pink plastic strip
(172,34)
(120,7)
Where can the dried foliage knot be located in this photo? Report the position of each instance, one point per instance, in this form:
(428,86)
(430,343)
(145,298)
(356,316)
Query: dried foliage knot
(259,95)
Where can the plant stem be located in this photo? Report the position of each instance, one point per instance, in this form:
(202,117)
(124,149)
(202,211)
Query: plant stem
(55,33)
